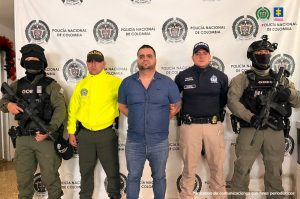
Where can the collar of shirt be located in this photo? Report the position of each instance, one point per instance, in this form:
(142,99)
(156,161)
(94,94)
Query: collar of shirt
(99,75)
(156,76)
(200,70)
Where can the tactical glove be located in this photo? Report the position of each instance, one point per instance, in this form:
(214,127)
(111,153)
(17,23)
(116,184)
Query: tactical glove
(255,121)
(282,95)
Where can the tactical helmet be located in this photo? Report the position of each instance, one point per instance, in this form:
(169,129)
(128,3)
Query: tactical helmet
(261,61)
(263,44)
(33,50)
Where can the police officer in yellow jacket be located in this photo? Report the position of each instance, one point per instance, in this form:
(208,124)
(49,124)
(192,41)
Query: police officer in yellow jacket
(94,106)
(33,146)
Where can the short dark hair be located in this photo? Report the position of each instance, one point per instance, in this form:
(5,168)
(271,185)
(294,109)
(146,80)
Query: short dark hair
(146,46)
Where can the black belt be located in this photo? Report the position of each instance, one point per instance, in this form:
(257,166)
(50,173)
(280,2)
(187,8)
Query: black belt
(187,119)
(97,130)
(29,132)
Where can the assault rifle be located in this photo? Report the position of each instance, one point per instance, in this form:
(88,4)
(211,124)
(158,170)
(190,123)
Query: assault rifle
(267,101)
(29,110)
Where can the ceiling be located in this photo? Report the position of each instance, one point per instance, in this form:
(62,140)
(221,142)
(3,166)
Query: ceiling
(7,13)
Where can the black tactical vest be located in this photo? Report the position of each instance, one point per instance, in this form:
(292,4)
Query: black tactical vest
(253,98)
(35,95)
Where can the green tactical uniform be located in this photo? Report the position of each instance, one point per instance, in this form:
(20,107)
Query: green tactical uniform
(29,152)
(267,141)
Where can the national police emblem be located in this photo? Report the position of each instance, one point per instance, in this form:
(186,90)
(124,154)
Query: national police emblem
(37,32)
(289,145)
(197,185)
(283,60)
(217,63)
(245,27)
(174,30)
(134,68)
(123,180)
(39,186)
(105,31)
(74,70)
(72,2)
(262,13)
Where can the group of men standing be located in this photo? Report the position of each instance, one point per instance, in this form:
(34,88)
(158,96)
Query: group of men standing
(149,100)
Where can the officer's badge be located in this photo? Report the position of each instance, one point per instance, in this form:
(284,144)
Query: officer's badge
(84,92)
(187,79)
(214,79)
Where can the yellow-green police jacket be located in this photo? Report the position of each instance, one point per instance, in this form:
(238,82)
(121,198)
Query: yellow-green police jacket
(94,102)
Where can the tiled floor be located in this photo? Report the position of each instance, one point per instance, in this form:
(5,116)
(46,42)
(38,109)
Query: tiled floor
(8,184)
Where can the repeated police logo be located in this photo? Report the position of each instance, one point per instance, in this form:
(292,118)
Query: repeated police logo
(245,27)
(140,1)
(289,145)
(263,13)
(74,70)
(105,31)
(72,2)
(38,185)
(217,63)
(283,60)
(197,186)
(37,32)
(174,30)
(123,183)
(134,68)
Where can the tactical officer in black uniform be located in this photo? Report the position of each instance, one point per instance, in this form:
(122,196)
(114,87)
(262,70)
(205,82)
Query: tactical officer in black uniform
(32,145)
(249,93)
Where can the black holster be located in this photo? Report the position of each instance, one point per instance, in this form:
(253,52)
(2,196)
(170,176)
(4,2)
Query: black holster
(235,124)
(13,133)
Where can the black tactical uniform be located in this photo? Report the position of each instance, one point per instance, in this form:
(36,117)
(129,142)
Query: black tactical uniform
(45,94)
(246,98)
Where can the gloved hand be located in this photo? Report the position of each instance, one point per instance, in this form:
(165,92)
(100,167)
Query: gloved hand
(255,121)
(282,95)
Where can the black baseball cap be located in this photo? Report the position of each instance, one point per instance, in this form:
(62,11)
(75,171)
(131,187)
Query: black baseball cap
(64,148)
(201,45)
(95,55)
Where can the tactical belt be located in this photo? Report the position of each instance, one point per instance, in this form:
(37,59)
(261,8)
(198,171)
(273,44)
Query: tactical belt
(97,130)
(187,119)
(29,132)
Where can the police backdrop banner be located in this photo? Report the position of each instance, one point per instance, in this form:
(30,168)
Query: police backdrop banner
(68,29)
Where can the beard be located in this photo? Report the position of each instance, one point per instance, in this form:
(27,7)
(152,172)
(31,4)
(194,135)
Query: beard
(146,66)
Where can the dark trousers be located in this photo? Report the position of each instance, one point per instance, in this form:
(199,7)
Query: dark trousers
(102,145)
